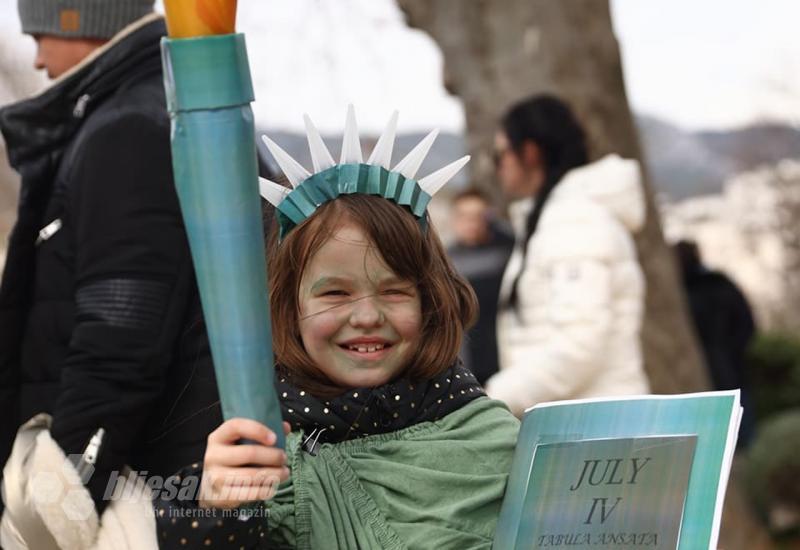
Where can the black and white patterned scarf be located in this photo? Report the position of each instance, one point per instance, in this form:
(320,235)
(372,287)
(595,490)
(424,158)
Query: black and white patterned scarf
(367,411)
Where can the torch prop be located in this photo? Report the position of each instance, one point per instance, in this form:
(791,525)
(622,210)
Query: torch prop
(209,90)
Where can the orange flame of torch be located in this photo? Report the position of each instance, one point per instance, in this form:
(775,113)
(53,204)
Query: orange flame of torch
(194,18)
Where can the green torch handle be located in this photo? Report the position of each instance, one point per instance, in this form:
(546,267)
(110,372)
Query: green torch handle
(209,91)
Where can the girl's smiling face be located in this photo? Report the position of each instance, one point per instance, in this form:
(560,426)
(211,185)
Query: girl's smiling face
(359,322)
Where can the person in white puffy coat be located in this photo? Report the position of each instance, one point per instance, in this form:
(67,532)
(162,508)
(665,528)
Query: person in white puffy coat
(572,298)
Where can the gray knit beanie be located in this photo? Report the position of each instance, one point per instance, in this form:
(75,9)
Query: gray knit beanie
(80,18)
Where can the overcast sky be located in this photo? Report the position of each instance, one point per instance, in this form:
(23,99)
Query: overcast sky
(711,63)
(699,64)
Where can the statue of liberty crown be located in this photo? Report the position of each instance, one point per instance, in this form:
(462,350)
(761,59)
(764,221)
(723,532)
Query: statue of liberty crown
(352,175)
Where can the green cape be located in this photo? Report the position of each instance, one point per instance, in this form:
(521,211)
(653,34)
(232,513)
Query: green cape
(433,485)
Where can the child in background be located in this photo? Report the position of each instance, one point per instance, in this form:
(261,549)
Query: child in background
(393,442)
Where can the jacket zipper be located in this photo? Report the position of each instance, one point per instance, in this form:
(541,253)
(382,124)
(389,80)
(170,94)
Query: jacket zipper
(48,231)
(80,106)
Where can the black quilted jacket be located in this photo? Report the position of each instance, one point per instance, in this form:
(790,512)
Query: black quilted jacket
(100,320)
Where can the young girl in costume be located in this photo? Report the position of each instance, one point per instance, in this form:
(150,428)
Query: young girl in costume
(393,444)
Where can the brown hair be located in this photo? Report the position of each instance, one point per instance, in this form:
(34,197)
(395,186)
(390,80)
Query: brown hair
(448,303)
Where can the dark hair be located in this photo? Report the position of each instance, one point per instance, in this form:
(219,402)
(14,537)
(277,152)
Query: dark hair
(549,123)
(449,306)
(688,255)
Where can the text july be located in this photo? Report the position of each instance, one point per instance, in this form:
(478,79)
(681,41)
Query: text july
(610,471)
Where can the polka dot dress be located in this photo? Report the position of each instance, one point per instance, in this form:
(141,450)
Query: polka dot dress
(182,524)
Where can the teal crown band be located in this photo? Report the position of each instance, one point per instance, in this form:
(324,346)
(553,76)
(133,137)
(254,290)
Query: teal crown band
(346,179)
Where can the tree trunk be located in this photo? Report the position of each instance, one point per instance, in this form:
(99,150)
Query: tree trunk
(499,51)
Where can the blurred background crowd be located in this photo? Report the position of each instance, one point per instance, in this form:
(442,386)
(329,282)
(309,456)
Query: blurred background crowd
(705,95)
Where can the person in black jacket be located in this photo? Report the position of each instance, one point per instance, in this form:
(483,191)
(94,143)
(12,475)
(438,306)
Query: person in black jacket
(724,325)
(480,253)
(100,319)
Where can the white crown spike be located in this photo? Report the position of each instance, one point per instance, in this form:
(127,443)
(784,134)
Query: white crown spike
(435,181)
(295,205)
(292,169)
(321,158)
(382,154)
(351,146)
(411,163)
(274,193)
